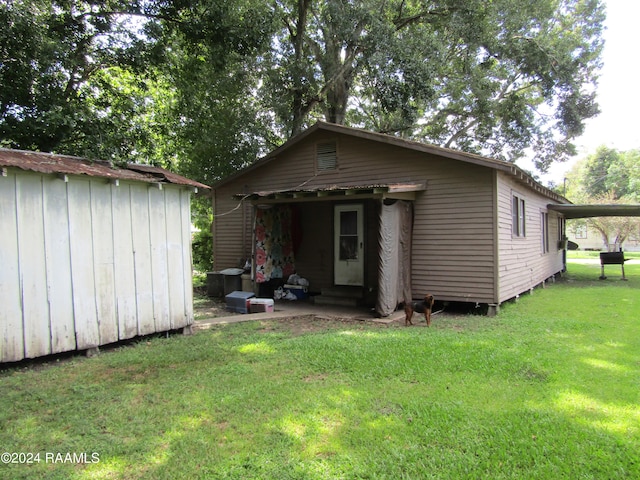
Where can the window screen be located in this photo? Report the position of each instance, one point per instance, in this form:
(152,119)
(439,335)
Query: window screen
(327,158)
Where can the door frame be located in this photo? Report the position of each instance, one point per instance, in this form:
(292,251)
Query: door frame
(349,271)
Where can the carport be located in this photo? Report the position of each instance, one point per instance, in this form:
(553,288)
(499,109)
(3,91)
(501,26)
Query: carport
(571,211)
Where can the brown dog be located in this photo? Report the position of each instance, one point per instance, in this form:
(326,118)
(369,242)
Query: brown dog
(421,307)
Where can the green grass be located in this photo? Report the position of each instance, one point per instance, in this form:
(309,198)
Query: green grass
(548,389)
(581,254)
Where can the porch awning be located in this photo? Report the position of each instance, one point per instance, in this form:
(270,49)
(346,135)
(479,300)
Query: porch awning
(398,191)
(587,211)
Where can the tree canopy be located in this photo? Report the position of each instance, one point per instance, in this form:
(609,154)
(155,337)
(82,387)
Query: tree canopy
(607,173)
(493,77)
(206,85)
(607,176)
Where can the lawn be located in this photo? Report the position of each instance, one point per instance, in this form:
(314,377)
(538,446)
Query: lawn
(595,255)
(548,389)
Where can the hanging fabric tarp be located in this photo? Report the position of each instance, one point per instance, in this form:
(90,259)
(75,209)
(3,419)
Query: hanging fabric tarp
(394,265)
(274,256)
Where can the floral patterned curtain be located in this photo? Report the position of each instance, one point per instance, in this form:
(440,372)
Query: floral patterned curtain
(274,245)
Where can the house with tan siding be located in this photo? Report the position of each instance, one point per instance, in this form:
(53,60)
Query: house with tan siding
(388,219)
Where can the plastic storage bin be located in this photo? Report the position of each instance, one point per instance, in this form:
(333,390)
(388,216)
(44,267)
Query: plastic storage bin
(238,301)
(232,279)
(258,305)
(298,290)
(215,284)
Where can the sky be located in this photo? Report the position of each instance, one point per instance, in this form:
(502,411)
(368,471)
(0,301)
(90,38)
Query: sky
(618,124)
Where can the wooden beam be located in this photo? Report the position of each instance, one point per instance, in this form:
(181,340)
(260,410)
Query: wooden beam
(400,195)
(408,187)
(318,198)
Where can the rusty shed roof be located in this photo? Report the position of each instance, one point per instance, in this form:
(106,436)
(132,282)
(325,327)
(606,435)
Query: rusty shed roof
(69,165)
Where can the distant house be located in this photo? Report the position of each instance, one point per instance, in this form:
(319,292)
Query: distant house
(390,218)
(90,254)
(588,238)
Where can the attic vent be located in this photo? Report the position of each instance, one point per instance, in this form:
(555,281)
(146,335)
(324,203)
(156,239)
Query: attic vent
(327,158)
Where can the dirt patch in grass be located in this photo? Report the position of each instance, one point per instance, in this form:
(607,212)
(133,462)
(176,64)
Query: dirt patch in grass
(306,324)
(206,307)
(456,319)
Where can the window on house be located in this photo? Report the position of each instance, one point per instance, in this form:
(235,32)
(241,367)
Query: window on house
(545,232)
(326,156)
(518,213)
(580,231)
(562,233)
(562,229)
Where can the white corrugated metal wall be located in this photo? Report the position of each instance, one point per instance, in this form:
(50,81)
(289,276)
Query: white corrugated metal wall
(85,262)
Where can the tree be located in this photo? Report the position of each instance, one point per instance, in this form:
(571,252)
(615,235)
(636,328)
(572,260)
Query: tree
(608,176)
(102,79)
(215,123)
(152,81)
(49,53)
(489,77)
(611,173)
(614,230)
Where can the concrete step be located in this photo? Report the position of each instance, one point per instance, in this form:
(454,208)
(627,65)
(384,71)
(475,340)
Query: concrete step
(342,292)
(336,300)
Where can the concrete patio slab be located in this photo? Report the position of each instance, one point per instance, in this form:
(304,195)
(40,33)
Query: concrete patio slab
(300,309)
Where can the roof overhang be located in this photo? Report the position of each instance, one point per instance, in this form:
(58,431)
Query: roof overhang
(395,191)
(586,211)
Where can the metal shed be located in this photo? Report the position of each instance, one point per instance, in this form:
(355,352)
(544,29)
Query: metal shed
(90,254)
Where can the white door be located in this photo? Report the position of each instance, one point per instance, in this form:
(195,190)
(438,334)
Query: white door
(348,245)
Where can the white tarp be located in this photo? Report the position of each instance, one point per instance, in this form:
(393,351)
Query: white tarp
(394,267)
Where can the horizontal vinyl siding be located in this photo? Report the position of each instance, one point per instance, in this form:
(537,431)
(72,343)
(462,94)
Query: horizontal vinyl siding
(453,254)
(522,263)
(232,243)
(228,243)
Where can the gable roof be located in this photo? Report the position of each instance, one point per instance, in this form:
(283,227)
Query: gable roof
(69,165)
(511,169)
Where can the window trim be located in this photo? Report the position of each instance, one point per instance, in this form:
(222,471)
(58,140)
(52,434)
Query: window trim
(581,231)
(329,163)
(544,227)
(518,216)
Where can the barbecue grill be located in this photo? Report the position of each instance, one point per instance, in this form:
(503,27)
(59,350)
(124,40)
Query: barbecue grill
(612,258)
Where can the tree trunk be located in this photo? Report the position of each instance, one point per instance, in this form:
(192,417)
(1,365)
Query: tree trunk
(338,75)
(298,109)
